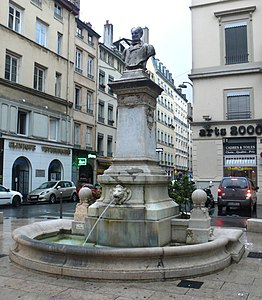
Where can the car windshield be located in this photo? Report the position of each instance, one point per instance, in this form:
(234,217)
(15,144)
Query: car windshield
(240,183)
(47,185)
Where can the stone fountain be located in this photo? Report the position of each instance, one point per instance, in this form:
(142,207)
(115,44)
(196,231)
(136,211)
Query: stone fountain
(134,223)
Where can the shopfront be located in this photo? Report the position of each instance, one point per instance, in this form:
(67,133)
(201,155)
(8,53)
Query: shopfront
(240,157)
(227,150)
(26,165)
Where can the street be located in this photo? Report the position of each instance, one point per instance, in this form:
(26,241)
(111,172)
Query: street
(40,210)
(233,218)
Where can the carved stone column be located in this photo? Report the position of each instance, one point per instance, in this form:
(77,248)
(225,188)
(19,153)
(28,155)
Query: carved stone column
(141,216)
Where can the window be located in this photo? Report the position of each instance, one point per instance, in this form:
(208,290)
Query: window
(110,79)
(79,32)
(101,106)
(39,78)
(78,61)
(236,35)
(236,43)
(88,136)
(102,80)
(110,120)
(89,104)
(22,122)
(109,146)
(90,39)
(77,98)
(41,33)
(100,144)
(58,81)
(102,54)
(37,2)
(77,134)
(11,67)
(59,43)
(238,105)
(111,60)
(14,18)
(90,68)
(58,11)
(53,129)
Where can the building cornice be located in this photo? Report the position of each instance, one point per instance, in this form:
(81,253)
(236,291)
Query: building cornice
(223,72)
(31,91)
(71,7)
(211,3)
(226,122)
(87,27)
(238,11)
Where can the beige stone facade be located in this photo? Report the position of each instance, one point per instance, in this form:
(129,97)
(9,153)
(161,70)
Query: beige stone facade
(226,73)
(85,102)
(36,91)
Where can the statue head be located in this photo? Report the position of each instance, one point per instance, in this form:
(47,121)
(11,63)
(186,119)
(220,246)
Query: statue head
(137,33)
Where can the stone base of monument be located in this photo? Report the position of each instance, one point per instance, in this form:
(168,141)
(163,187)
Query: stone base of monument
(134,209)
(129,232)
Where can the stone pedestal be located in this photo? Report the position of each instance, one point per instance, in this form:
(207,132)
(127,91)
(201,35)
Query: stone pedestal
(199,226)
(134,188)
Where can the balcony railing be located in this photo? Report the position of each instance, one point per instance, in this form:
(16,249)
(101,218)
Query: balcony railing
(101,119)
(238,115)
(237,59)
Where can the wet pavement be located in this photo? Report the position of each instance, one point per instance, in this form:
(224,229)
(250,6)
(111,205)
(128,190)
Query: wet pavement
(239,281)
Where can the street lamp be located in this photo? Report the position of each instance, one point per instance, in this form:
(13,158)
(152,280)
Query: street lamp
(184,86)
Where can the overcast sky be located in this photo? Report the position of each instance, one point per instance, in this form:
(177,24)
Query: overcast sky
(169,27)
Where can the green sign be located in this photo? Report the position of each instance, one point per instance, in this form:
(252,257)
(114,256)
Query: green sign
(81,161)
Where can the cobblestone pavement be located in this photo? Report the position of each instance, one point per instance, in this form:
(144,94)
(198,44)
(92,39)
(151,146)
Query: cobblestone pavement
(239,281)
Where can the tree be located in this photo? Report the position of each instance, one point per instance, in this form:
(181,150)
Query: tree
(181,190)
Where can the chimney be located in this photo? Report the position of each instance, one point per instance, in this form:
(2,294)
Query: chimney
(108,34)
(145,37)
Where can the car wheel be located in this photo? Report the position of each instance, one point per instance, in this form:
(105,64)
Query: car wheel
(220,208)
(16,201)
(52,199)
(74,197)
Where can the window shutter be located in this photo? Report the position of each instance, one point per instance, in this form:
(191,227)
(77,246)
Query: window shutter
(236,44)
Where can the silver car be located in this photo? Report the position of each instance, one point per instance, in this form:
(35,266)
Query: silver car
(8,196)
(51,191)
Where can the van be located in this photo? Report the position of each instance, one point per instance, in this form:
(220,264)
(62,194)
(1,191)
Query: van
(237,192)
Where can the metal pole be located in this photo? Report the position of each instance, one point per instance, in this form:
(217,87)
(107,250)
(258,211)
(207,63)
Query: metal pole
(61,206)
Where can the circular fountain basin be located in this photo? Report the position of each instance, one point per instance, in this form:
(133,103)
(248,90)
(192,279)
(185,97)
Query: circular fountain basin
(149,263)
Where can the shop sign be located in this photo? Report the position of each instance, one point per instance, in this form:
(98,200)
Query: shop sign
(233,149)
(91,155)
(22,146)
(233,131)
(56,150)
(81,161)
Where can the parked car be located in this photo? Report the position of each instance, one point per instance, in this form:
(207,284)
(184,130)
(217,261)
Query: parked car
(96,189)
(8,196)
(51,191)
(237,192)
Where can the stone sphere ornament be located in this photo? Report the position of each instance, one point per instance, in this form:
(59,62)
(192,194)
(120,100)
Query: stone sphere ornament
(85,195)
(199,197)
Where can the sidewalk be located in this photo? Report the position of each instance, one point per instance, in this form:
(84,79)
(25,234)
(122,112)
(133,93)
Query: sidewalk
(238,281)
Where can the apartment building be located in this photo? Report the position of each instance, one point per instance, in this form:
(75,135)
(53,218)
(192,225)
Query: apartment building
(226,73)
(172,134)
(36,91)
(110,68)
(85,100)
